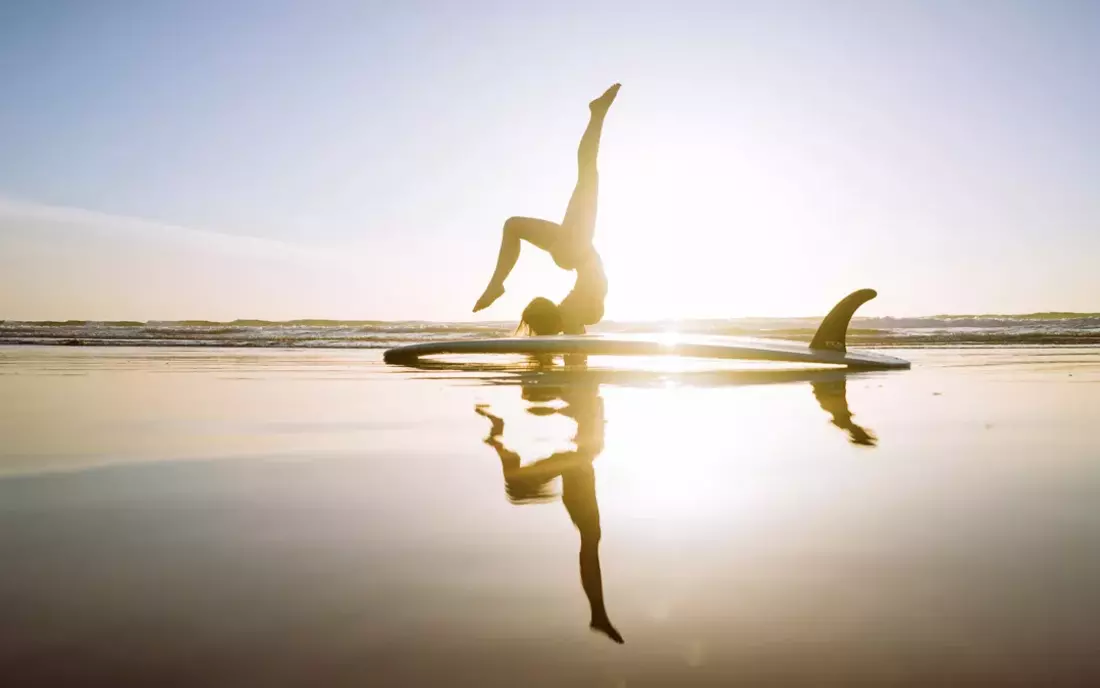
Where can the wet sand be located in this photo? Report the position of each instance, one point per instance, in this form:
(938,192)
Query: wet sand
(284,518)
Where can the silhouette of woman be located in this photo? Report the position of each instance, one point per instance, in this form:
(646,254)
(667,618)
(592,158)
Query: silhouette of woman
(568,243)
(526,484)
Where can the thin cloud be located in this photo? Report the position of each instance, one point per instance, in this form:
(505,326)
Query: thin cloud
(61,262)
(22,217)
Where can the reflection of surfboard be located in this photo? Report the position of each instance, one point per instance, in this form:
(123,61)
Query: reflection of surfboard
(827,346)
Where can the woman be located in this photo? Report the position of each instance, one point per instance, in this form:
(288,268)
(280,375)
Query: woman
(570,244)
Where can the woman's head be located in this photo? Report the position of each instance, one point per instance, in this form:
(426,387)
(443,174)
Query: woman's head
(541,317)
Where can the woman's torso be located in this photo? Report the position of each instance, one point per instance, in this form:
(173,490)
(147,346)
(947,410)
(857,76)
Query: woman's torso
(584,305)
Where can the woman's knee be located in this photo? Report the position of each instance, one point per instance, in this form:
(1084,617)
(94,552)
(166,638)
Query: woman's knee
(540,233)
(513,227)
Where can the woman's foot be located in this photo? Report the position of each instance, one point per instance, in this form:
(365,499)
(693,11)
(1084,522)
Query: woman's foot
(602,103)
(498,423)
(492,293)
(603,625)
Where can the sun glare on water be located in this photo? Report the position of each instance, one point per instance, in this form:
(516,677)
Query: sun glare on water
(668,451)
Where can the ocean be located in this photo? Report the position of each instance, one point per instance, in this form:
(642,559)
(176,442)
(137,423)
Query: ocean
(1034,329)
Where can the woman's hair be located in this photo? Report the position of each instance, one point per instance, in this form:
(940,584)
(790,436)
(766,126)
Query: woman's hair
(540,317)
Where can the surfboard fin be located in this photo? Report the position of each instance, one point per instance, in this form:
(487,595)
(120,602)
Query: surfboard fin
(832,332)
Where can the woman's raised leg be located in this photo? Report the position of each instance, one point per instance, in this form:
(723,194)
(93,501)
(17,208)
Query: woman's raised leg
(580,215)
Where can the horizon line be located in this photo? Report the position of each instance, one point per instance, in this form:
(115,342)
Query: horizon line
(293,321)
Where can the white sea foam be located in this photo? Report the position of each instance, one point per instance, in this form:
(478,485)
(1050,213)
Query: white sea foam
(1038,329)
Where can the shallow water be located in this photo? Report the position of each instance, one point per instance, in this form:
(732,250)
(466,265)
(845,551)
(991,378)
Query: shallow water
(266,517)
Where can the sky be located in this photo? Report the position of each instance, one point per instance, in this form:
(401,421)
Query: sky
(279,160)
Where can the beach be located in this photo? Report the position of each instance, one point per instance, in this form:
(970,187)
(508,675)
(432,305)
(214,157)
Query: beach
(286,517)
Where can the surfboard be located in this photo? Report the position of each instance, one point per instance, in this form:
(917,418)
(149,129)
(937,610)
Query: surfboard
(828,346)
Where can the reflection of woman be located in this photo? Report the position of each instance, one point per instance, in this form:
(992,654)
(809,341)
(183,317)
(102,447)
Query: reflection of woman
(568,243)
(525,484)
